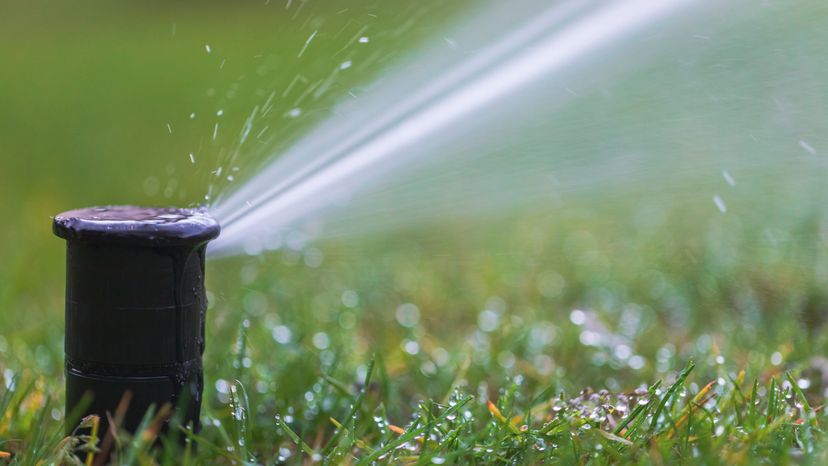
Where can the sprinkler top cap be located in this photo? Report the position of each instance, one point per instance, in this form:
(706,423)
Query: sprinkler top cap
(138,226)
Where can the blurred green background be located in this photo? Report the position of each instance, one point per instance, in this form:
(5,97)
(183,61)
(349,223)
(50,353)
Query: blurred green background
(95,108)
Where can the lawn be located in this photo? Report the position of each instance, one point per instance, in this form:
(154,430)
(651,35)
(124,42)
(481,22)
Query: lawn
(636,322)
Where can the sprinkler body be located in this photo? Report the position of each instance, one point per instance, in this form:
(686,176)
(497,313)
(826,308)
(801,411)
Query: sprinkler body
(135,310)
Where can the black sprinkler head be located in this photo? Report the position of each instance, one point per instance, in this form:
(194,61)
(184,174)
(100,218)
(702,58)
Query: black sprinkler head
(135,309)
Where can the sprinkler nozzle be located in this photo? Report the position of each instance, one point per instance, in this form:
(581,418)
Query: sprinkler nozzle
(135,310)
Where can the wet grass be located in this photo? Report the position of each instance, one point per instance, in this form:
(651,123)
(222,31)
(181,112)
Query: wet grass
(404,349)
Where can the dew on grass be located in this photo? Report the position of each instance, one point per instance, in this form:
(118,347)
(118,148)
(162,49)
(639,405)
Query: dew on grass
(543,364)
(222,386)
(441,356)
(636,362)
(411,347)
(488,320)
(408,315)
(577,317)
(347,320)
(551,284)
(622,352)
(776,358)
(350,299)
(506,359)
(428,368)
(590,338)
(321,340)
(497,304)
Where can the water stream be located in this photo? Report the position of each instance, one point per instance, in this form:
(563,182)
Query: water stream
(573,95)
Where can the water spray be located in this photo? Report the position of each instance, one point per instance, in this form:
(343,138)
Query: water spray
(332,165)
(135,310)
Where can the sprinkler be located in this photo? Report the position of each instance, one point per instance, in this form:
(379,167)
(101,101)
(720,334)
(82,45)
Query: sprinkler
(135,309)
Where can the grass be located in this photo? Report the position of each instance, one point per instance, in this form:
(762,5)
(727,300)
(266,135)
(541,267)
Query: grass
(359,360)
(629,323)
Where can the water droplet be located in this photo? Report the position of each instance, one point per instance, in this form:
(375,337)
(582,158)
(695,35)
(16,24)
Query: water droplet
(728,178)
(321,340)
(807,147)
(281,334)
(720,204)
(577,317)
(408,315)
(776,358)
(488,320)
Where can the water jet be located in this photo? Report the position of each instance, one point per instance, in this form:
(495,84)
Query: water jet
(135,309)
